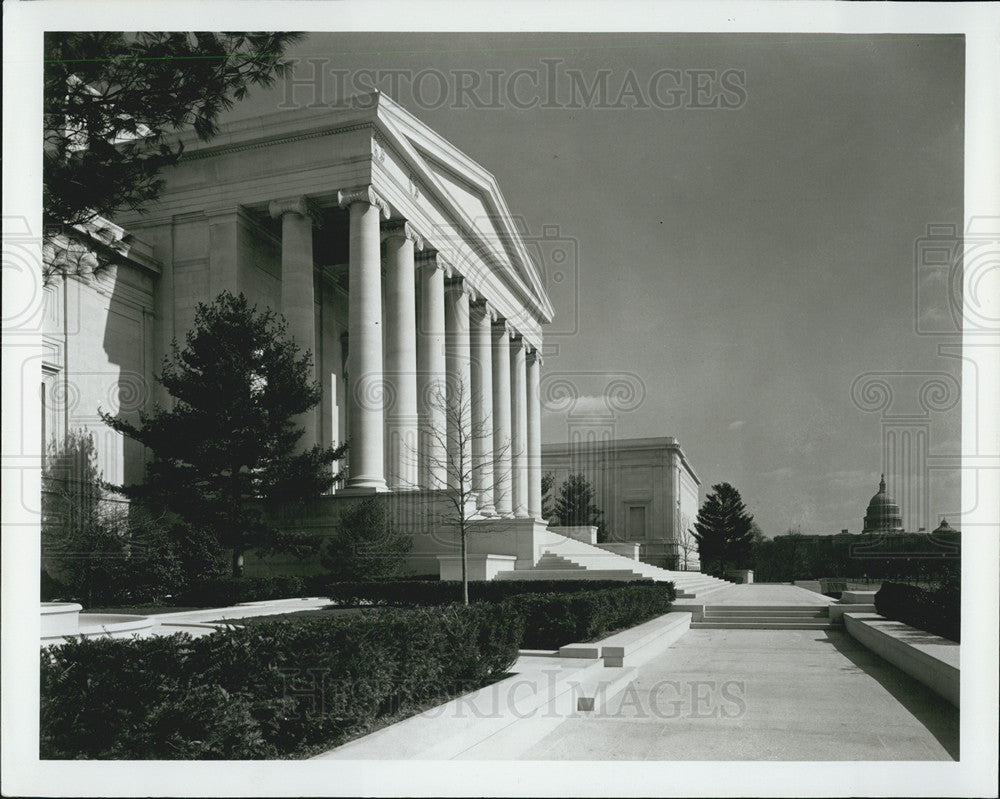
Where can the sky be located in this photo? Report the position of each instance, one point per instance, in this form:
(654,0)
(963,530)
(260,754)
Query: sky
(739,267)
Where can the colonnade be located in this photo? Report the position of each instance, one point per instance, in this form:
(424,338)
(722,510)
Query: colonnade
(447,394)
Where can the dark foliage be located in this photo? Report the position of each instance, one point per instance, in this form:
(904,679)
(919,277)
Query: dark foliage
(111,99)
(100,550)
(268,689)
(224,591)
(897,557)
(938,612)
(402,593)
(367,545)
(723,530)
(553,620)
(226,453)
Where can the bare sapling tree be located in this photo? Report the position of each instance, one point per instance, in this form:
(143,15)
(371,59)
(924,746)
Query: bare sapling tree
(448,453)
(687,544)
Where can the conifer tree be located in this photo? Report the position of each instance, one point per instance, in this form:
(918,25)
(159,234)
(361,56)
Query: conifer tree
(723,529)
(227,452)
(574,507)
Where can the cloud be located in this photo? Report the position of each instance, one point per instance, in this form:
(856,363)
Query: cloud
(737,425)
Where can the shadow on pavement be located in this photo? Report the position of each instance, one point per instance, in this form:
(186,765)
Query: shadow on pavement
(937,714)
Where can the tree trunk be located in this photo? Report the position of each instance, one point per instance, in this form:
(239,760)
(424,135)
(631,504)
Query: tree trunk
(465,571)
(237,563)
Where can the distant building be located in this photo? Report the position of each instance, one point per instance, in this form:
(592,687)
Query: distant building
(645,488)
(883,514)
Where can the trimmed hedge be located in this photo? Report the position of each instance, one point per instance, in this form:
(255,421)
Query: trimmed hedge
(439,592)
(224,591)
(938,612)
(264,690)
(553,620)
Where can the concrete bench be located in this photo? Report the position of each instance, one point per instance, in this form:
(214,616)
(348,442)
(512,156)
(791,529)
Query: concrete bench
(932,660)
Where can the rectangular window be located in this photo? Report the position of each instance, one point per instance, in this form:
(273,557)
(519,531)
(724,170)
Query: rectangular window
(637,522)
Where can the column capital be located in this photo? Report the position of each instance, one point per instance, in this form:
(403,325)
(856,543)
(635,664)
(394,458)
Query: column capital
(300,205)
(503,326)
(432,259)
(402,229)
(362,194)
(534,356)
(461,284)
(483,308)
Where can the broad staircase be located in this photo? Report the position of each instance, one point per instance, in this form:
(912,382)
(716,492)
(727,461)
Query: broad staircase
(764,617)
(565,558)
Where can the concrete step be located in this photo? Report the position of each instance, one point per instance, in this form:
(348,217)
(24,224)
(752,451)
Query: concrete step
(567,574)
(802,624)
(758,608)
(805,613)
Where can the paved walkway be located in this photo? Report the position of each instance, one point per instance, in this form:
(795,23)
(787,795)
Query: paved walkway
(765,594)
(715,694)
(760,695)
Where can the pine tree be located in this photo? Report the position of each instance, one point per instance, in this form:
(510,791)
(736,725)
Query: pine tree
(574,507)
(227,452)
(723,529)
(111,98)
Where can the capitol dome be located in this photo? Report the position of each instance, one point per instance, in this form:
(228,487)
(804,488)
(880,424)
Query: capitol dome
(883,515)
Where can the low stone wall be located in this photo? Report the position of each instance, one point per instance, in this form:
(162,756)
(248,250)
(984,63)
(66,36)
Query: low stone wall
(626,549)
(584,533)
(932,660)
(479,567)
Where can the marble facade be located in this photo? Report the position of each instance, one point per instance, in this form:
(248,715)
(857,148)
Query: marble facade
(393,257)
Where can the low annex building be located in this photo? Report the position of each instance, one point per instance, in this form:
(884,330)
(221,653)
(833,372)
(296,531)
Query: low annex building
(645,487)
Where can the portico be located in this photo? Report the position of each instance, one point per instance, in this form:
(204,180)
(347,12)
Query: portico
(396,262)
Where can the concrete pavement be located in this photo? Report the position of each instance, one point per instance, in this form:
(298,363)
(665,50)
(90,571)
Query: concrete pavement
(761,695)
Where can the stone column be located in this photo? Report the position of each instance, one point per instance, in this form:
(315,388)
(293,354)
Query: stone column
(298,303)
(518,428)
(482,316)
(366,457)
(431,389)
(401,355)
(501,419)
(534,362)
(459,381)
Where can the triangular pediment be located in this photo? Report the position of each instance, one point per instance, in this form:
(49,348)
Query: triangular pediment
(472,197)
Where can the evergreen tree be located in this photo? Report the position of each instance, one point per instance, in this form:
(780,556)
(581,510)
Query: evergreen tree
(110,99)
(367,545)
(574,507)
(548,481)
(97,549)
(227,452)
(724,530)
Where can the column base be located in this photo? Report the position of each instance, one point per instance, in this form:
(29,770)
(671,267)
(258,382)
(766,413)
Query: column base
(362,489)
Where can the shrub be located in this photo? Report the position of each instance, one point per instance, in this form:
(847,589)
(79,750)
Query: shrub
(267,689)
(223,591)
(938,612)
(553,620)
(367,545)
(439,592)
(96,550)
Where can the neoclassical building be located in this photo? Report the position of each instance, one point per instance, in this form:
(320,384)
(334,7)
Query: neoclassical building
(391,254)
(396,261)
(646,489)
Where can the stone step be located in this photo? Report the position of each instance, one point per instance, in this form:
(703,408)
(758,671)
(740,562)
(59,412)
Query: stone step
(758,608)
(567,574)
(764,612)
(773,624)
